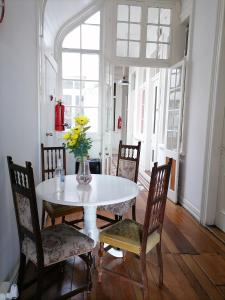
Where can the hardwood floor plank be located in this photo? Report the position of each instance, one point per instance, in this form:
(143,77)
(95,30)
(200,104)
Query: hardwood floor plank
(191,278)
(176,285)
(182,244)
(200,275)
(213,265)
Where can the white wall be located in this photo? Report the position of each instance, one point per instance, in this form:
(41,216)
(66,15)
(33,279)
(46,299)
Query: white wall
(18,113)
(198,98)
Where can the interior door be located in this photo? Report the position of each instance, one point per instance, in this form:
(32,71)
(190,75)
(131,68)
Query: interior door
(220,210)
(173,132)
(48,135)
(108,116)
(155,119)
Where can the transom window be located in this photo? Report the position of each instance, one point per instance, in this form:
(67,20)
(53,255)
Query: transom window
(158,33)
(143,31)
(128,31)
(80,71)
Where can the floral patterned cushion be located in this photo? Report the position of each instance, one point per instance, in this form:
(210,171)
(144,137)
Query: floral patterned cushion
(127,169)
(126,235)
(120,208)
(23,204)
(59,243)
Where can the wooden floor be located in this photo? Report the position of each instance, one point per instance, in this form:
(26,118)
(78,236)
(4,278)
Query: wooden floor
(194,265)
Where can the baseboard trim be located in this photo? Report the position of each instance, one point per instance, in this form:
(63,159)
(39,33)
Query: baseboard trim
(190,207)
(220,219)
(14,275)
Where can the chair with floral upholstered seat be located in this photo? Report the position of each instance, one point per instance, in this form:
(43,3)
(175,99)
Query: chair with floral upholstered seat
(127,167)
(130,236)
(49,159)
(47,247)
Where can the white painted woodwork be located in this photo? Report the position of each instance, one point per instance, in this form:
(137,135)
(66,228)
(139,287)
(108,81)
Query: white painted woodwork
(174,120)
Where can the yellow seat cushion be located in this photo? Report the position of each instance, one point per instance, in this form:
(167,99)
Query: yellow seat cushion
(58,210)
(126,235)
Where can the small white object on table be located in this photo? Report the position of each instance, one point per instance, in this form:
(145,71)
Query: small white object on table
(102,190)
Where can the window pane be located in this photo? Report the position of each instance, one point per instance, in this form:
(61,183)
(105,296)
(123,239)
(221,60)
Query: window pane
(67,84)
(177,100)
(71,65)
(122,31)
(90,67)
(152,33)
(151,50)
(134,49)
(90,94)
(92,114)
(90,37)
(70,113)
(121,48)
(165,16)
(94,19)
(164,34)
(67,99)
(72,40)
(173,78)
(171,100)
(153,15)
(122,12)
(135,14)
(135,32)
(163,52)
(178,78)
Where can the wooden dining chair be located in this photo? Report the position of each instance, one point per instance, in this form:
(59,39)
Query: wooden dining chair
(49,159)
(127,167)
(128,235)
(45,247)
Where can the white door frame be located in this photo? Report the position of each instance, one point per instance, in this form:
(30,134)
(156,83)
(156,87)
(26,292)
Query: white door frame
(215,125)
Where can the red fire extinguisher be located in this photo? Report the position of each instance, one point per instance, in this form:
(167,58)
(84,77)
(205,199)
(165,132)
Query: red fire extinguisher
(119,122)
(59,116)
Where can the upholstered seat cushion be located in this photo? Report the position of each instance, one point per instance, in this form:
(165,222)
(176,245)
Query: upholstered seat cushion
(118,209)
(59,243)
(58,210)
(126,235)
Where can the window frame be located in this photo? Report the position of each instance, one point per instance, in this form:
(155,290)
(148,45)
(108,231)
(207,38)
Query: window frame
(142,60)
(59,50)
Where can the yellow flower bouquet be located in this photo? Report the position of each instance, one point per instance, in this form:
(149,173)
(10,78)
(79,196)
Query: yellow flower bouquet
(76,140)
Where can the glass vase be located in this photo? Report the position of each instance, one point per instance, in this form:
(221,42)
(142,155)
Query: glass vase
(84,174)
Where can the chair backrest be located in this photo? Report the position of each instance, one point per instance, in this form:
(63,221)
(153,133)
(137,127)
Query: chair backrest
(25,204)
(49,159)
(128,161)
(156,202)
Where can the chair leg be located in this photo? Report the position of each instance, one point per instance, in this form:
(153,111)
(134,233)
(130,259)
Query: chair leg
(38,294)
(134,212)
(100,254)
(118,218)
(160,263)
(53,221)
(43,217)
(144,277)
(89,270)
(21,272)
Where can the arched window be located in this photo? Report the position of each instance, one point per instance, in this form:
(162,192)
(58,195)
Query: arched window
(80,72)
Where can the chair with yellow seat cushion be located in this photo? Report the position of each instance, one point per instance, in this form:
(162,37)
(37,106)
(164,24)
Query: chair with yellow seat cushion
(49,159)
(130,236)
(127,167)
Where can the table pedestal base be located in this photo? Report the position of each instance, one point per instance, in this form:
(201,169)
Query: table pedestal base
(90,227)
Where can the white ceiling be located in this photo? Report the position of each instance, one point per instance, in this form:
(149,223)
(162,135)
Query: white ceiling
(57,12)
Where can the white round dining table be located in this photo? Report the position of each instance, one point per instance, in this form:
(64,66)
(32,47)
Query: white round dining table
(102,190)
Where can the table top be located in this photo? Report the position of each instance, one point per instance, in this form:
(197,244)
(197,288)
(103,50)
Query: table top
(102,190)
